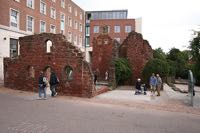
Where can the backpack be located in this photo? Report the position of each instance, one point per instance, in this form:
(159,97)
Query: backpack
(41,81)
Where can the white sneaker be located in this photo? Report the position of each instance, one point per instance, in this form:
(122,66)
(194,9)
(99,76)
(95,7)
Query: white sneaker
(39,98)
(55,94)
(45,98)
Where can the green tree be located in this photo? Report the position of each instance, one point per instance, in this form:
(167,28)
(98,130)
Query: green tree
(155,66)
(180,60)
(159,54)
(195,51)
(122,70)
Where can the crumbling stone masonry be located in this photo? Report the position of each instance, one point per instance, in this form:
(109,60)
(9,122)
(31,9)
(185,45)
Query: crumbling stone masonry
(137,51)
(104,52)
(134,48)
(49,52)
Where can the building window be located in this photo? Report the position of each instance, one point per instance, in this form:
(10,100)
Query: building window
(17,0)
(70,22)
(75,24)
(30,3)
(87,31)
(53,13)
(42,26)
(53,1)
(62,23)
(117,29)
(96,29)
(80,40)
(75,12)
(128,28)
(42,7)
(87,41)
(106,29)
(69,36)
(13,48)
(31,72)
(30,24)
(75,39)
(52,28)
(69,8)
(69,72)
(14,18)
(117,39)
(80,27)
(63,3)
(81,16)
(49,46)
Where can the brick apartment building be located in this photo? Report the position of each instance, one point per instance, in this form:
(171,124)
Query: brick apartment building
(26,17)
(115,23)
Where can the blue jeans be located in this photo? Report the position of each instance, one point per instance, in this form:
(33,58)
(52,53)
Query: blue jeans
(42,90)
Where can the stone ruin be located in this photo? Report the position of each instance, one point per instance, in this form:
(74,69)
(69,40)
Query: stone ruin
(104,52)
(138,52)
(134,48)
(49,52)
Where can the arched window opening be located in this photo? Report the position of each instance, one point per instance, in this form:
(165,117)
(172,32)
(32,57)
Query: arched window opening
(69,72)
(49,46)
(31,72)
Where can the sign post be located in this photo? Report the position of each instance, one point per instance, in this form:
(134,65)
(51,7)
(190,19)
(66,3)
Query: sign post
(191,85)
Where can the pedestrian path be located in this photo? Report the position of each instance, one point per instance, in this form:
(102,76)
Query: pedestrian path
(126,93)
(186,97)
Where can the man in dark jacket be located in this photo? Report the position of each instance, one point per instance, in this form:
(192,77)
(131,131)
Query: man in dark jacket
(53,83)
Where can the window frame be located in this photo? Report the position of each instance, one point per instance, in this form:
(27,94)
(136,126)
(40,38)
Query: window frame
(70,21)
(61,13)
(96,29)
(62,3)
(127,28)
(69,36)
(33,4)
(41,26)
(75,39)
(27,26)
(17,52)
(69,8)
(80,27)
(51,29)
(53,13)
(17,17)
(45,7)
(75,24)
(116,29)
(80,41)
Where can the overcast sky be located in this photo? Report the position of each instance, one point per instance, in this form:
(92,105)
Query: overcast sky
(165,23)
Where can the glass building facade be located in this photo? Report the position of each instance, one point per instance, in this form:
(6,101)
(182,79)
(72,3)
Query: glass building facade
(98,15)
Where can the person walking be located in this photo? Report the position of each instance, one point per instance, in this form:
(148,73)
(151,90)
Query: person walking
(153,83)
(138,87)
(95,78)
(53,84)
(159,84)
(42,85)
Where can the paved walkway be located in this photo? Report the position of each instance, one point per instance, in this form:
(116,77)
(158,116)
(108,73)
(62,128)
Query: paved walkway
(186,97)
(169,100)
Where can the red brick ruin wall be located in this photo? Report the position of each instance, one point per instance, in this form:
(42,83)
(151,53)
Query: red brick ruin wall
(33,55)
(137,51)
(102,55)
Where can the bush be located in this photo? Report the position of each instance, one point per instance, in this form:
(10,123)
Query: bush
(155,66)
(122,70)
